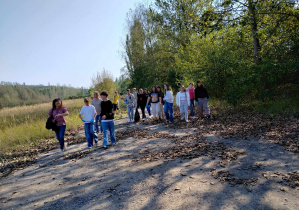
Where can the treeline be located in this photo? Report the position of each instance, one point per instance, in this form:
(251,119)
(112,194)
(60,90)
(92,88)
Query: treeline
(15,94)
(241,50)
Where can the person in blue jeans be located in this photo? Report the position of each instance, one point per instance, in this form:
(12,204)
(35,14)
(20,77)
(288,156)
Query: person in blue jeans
(89,113)
(168,98)
(58,112)
(107,117)
(130,101)
(96,102)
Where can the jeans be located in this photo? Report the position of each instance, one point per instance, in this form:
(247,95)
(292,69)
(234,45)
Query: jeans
(96,125)
(148,108)
(184,109)
(60,135)
(130,113)
(192,107)
(168,106)
(108,125)
(90,134)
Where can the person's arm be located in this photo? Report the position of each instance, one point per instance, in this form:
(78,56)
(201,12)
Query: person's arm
(160,99)
(207,93)
(195,94)
(188,98)
(148,99)
(177,98)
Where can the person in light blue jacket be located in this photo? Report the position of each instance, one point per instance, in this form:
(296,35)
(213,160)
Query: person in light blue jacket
(168,107)
(183,102)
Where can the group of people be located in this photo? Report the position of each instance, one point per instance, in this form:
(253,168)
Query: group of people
(159,103)
(103,111)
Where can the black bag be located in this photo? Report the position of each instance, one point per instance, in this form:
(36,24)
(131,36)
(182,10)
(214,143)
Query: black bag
(137,116)
(50,124)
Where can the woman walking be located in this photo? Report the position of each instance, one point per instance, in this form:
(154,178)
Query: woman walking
(141,102)
(183,101)
(115,104)
(107,120)
(202,97)
(130,101)
(161,111)
(58,112)
(191,91)
(155,100)
(148,106)
(168,106)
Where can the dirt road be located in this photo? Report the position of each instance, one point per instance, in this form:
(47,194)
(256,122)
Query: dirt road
(155,166)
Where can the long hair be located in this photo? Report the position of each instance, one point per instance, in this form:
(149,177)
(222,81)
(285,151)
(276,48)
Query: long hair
(183,88)
(154,90)
(168,88)
(198,81)
(54,104)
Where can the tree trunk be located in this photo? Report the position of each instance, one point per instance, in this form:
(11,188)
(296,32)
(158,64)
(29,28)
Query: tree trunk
(254,32)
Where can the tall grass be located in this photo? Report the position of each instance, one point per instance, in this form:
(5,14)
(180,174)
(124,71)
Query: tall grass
(23,126)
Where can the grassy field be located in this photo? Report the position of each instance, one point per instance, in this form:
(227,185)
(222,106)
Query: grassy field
(25,126)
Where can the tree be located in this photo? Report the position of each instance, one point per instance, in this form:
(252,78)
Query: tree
(103,81)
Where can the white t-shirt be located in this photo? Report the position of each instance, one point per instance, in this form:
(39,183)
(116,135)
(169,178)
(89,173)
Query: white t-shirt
(183,96)
(88,112)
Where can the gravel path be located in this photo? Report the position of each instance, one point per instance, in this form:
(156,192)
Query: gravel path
(245,174)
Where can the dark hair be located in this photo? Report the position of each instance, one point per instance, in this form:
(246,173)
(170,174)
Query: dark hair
(54,104)
(104,93)
(152,89)
(198,81)
(86,99)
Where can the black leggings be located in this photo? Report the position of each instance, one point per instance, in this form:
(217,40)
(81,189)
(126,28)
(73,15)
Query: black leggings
(142,110)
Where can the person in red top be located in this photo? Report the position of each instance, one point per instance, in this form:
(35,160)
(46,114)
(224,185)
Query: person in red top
(58,112)
(191,90)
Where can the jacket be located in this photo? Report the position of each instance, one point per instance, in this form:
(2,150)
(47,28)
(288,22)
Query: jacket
(201,92)
(178,101)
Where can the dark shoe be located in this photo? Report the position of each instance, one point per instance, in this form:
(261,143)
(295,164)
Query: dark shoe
(105,148)
(208,116)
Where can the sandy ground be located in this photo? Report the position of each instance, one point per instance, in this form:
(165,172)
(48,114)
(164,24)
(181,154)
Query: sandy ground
(113,179)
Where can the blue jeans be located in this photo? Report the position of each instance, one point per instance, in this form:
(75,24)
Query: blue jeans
(168,106)
(90,134)
(130,112)
(60,135)
(148,108)
(192,107)
(108,126)
(96,125)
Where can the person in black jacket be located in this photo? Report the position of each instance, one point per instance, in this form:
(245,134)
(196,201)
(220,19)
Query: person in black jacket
(202,98)
(141,102)
(107,117)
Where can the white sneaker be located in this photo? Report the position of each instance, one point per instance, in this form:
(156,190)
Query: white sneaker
(193,117)
(187,120)
(143,119)
(132,121)
(129,120)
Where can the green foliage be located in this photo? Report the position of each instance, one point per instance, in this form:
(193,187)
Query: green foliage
(243,51)
(103,81)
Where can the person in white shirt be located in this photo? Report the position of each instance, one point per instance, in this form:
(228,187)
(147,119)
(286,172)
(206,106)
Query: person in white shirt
(183,102)
(89,112)
(168,98)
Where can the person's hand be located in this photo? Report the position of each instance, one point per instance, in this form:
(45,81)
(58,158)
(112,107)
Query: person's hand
(92,120)
(160,103)
(103,117)
(196,102)
(163,99)
(208,99)
(56,116)
(82,120)
(126,102)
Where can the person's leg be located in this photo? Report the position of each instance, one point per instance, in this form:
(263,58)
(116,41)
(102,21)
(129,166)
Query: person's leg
(192,107)
(200,107)
(105,133)
(112,132)
(186,110)
(132,113)
(154,110)
(182,110)
(170,106)
(158,109)
(149,110)
(128,111)
(87,134)
(206,107)
(94,134)
(143,111)
(96,124)
(166,111)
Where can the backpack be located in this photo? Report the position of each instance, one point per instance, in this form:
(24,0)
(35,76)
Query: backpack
(137,116)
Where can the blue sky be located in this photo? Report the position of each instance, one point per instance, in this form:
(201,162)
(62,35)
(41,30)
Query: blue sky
(61,41)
